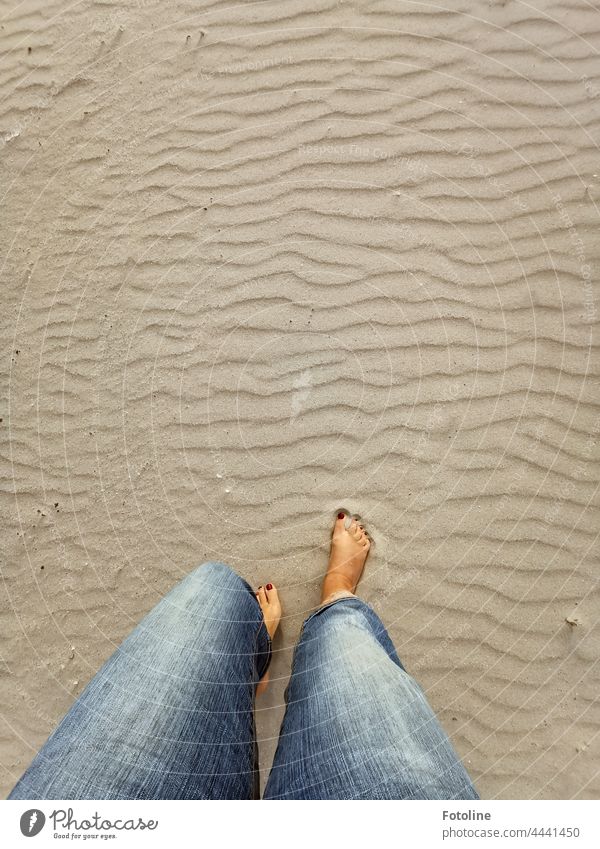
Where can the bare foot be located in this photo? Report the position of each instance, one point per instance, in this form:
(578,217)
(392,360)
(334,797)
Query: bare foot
(268,598)
(349,550)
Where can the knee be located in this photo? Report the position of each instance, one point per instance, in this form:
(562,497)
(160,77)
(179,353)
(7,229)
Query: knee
(211,592)
(213,577)
(214,568)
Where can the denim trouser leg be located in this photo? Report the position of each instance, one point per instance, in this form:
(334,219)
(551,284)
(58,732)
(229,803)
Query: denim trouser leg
(170,715)
(357,725)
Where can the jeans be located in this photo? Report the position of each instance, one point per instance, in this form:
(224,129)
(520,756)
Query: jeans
(171,713)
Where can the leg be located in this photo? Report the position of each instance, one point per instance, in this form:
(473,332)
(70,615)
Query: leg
(170,715)
(356,724)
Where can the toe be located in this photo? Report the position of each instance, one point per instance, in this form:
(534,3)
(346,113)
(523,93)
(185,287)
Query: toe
(262,596)
(356,531)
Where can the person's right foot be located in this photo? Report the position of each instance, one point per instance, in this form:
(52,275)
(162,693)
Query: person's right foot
(349,550)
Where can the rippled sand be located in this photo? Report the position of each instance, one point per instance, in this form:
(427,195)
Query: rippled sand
(264,260)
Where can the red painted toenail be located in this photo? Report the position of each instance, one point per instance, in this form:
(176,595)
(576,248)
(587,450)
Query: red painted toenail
(269,587)
(341,515)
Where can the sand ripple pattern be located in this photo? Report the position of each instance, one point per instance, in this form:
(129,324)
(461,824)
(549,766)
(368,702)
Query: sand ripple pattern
(263,259)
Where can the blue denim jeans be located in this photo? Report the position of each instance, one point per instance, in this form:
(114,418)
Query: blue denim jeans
(171,713)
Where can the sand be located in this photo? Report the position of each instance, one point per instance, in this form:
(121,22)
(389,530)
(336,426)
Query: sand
(264,260)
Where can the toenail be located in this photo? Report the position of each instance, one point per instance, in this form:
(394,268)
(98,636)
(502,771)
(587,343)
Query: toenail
(341,515)
(269,587)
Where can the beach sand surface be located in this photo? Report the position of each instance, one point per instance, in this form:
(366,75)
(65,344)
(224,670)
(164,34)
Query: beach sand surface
(264,260)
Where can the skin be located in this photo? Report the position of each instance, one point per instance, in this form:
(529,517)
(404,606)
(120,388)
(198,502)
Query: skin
(349,550)
(271,608)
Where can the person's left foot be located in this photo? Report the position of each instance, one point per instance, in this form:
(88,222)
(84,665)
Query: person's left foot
(268,598)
